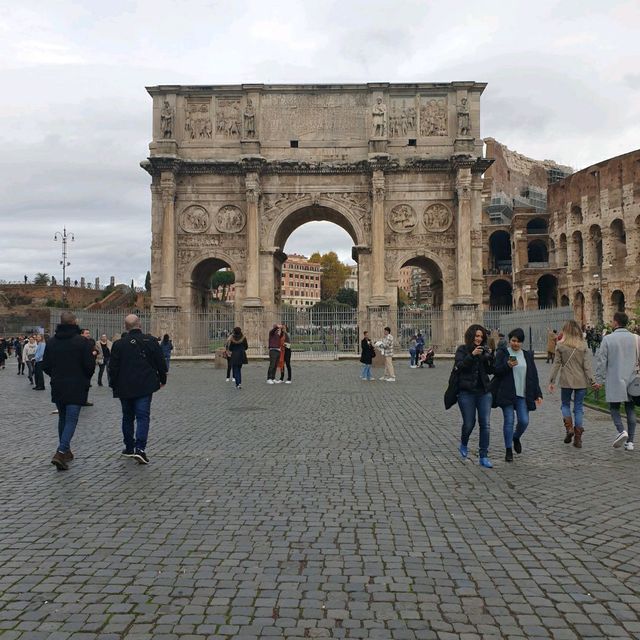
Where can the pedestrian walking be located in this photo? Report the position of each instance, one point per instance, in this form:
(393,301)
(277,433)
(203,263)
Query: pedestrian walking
(18,347)
(474,363)
(386,349)
(167,347)
(419,350)
(227,355)
(38,374)
(367,353)
(573,363)
(29,356)
(413,352)
(103,348)
(616,366)
(86,334)
(137,370)
(516,390)
(274,353)
(3,352)
(552,339)
(238,354)
(285,354)
(69,362)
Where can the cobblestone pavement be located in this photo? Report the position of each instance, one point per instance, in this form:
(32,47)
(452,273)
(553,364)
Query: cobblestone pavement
(329,508)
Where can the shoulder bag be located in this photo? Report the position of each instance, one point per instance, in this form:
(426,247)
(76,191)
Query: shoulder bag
(451,394)
(633,387)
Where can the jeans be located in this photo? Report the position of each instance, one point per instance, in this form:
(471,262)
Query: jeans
(578,404)
(67,420)
(167,359)
(39,375)
(101,368)
(413,357)
(274,356)
(140,410)
(471,403)
(614,410)
(366,372)
(287,364)
(237,374)
(30,369)
(521,411)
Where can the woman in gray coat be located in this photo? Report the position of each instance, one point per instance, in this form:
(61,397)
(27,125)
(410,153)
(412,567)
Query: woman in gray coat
(615,367)
(573,362)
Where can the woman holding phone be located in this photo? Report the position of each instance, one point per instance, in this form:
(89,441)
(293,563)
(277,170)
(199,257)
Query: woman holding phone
(516,390)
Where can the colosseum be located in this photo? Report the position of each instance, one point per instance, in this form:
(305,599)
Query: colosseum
(557,238)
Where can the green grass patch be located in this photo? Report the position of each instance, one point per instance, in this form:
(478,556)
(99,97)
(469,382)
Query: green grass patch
(595,398)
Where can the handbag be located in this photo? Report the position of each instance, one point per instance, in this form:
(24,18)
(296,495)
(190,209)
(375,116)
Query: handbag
(633,387)
(451,394)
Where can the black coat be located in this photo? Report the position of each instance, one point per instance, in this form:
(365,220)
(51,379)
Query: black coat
(137,366)
(69,362)
(238,350)
(367,352)
(503,385)
(470,368)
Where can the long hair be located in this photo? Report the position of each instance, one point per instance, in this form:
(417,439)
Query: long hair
(470,334)
(572,335)
(237,333)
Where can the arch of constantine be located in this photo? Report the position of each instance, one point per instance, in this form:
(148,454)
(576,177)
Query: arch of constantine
(236,169)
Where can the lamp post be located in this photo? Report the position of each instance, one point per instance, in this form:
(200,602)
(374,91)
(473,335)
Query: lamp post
(65,237)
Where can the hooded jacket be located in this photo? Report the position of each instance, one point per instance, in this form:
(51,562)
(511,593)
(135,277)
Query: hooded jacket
(69,362)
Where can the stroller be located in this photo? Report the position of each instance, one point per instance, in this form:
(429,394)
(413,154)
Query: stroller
(427,358)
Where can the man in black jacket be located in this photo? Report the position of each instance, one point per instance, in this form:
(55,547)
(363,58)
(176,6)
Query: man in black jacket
(137,370)
(69,362)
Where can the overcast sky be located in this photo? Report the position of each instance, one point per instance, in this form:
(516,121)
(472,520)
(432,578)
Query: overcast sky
(75,119)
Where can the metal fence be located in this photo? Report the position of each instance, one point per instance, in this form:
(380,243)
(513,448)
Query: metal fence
(322,333)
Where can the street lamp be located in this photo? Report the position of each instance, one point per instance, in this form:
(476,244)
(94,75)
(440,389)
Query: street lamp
(64,236)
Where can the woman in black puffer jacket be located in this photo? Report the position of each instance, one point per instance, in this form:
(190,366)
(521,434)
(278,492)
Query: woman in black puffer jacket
(474,361)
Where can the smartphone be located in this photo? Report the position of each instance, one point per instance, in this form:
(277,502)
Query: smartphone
(513,359)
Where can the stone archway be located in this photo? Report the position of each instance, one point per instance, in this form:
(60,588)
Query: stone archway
(500,294)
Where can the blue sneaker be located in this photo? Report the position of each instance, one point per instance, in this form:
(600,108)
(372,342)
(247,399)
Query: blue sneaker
(485,462)
(464,451)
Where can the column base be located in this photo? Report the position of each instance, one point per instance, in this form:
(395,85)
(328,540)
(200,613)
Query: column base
(252,302)
(167,302)
(378,301)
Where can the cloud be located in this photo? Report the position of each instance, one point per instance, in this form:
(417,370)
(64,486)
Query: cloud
(75,119)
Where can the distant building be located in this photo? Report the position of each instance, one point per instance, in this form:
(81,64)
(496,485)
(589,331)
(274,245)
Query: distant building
(352,281)
(300,282)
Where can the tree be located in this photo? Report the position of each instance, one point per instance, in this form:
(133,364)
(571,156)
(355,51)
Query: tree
(42,279)
(147,282)
(133,286)
(334,273)
(223,278)
(403,298)
(347,296)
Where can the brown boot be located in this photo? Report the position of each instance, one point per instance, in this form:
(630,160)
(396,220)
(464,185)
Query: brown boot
(577,441)
(59,461)
(568,425)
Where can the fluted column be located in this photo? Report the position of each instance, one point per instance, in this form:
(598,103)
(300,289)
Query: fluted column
(463,236)
(377,238)
(252,187)
(168,270)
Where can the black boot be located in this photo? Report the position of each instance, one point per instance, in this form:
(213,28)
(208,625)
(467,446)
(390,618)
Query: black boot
(508,455)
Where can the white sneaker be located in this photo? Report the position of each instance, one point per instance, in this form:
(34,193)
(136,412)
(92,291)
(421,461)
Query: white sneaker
(621,439)
(383,378)
(628,446)
(233,379)
(412,366)
(277,381)
(287,381)
(391,379)
(228,380)
(270,382)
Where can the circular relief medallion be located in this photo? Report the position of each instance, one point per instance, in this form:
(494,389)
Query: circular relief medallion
(194,219)
(230,219)
(437,217)
(402,218)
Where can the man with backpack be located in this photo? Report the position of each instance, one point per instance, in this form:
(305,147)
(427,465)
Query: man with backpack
(137,370)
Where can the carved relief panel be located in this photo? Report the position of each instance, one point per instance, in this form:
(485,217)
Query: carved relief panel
(230,219)
(403,117)
(437,217)
(194,219)
(402,218)
(434,116)
(228,118)
(197,120)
